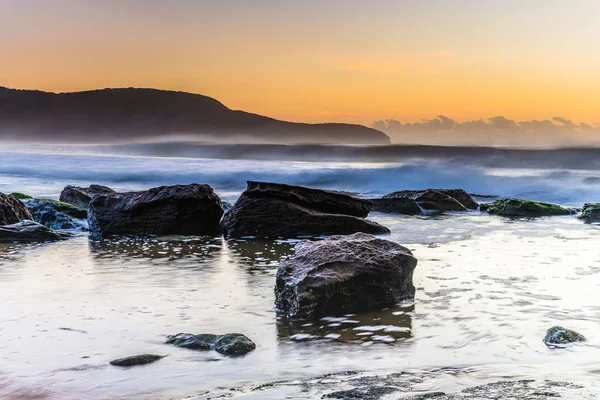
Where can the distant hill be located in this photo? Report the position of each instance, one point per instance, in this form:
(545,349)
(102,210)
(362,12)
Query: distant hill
(107,115)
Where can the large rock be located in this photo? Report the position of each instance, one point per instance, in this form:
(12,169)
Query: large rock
(343,274)
(81,196)
(180,209)
(12,210)
(56,214)
(590,213)
(396,206)
(437,199)
(230,344)
(277,210)
(28,231)
(508,207)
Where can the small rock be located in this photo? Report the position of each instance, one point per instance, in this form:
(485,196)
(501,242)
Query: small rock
(560,337)
(80,196)
(230,344)
(139,359)
(28,231)
(12,210)
(204,341)
(56,214)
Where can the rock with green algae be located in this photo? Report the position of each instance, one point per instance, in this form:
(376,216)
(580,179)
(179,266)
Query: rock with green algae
(56,214)
(21,196)
(138,359)
(508,207)
(590,213)
(557,336)
(230,344)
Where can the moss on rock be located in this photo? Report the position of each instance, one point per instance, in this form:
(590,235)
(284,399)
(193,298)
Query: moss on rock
(508,207)
(590,213)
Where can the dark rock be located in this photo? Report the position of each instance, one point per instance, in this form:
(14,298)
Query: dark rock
(234,344)
(180,209)
(590,213)
(343,274)
(80,196)
(140,359)
(508,207)
(230,344)
(558,336)
(12,210)
(396,206)
(56,214)
(437,199)
(28,231)
(204,341)
(270,210)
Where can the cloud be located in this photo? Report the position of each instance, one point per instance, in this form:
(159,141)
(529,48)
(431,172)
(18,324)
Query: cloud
(496,130)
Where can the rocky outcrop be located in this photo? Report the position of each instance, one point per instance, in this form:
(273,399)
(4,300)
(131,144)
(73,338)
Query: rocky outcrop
(180,209)
(396,206)
(590,213)
(557,336)
(343,274)
(508,207)
(230,344)
(81,196)
(439,200)
(12,210)
(28,231)
(56,214)
(139,359)
(270,210)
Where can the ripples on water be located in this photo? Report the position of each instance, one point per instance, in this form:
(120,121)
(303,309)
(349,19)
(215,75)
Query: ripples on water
(487,289)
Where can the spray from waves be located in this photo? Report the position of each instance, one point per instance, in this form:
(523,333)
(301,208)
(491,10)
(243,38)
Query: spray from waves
(47,174)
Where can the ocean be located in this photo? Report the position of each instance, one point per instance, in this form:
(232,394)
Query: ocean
(487,287)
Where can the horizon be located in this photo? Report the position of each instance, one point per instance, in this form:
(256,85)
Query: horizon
(404,63)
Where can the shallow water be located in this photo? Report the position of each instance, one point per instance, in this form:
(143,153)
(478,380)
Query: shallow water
(487,290)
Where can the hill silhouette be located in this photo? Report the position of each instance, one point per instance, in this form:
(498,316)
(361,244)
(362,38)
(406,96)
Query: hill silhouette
(108,115)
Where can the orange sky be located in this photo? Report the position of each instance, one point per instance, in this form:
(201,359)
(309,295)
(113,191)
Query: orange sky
(337,60)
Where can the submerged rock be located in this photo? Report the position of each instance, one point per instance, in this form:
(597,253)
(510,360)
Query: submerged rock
(396,206)
(590,213)
(230,344)
(28,231)
(12,210)
(139,359)
(559,337)
(81,196)
(179,209)
(343,274)
(437,199)
(56,214)
(276,210)
(508,207)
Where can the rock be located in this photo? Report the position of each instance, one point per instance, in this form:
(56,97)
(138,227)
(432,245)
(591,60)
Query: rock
(28,231)
(234,344)
(343,274)
(270,210)
(80,196)
(396,206)
(56,214)
(21,196)
(508,207)
(12,210)
(140,359)
(437,199)
(558,336)
(590,213)
(230,344)
(180,209)
(204,341)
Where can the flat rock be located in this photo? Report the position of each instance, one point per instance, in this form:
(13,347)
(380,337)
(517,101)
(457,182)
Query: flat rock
(139,359)
(12,210)
(179,210)
(28,231)
(343,274)
(270,210)
(81,196)
(508,207)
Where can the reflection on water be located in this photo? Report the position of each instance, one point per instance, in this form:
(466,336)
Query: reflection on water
(487,290)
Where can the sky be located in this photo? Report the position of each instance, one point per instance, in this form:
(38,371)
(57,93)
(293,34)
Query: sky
(314,61)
